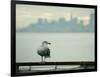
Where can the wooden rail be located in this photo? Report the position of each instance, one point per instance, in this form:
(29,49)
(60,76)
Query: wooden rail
(54,63)
(84,64)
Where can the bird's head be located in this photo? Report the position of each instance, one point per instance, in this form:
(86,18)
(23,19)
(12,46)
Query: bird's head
(46,42)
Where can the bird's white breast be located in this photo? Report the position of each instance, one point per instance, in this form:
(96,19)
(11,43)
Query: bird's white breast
(42,48)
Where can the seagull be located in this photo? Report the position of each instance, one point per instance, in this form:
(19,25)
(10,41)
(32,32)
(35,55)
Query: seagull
(44,51)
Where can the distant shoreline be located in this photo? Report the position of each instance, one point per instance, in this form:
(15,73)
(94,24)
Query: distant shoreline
(55,32)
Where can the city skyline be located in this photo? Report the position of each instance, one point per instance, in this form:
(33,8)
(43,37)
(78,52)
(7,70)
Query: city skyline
(27,14)
(61,25)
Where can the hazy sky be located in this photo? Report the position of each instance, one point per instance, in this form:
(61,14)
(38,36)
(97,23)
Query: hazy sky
(27,14)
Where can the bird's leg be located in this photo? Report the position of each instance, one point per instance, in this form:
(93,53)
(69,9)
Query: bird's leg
(42,59)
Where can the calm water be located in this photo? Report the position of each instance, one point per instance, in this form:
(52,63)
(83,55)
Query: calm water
(64,46)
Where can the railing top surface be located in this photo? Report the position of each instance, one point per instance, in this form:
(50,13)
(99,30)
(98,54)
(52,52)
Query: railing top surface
(54,63)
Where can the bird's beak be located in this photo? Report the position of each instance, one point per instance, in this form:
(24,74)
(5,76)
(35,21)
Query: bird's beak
(49,43)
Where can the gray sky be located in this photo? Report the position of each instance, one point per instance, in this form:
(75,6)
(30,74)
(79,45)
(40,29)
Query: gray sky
(27,14)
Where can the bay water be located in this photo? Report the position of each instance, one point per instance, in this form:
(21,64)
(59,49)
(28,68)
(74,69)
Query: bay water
(64,46)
